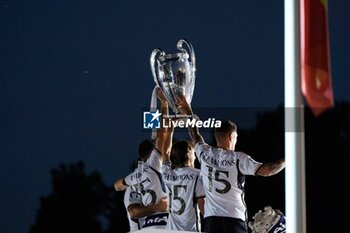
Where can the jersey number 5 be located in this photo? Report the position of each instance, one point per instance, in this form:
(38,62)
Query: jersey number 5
(174,196)
(141,188)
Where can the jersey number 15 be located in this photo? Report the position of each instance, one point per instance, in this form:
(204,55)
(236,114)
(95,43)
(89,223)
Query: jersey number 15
(227,185)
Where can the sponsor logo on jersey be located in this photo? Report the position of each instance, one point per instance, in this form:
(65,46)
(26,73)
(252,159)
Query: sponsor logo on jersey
(156,220)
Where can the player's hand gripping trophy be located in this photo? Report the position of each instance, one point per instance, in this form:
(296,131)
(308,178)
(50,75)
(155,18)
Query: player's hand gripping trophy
(175,73)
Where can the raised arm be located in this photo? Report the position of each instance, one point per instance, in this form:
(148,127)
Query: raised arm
(138,211)
(186,109)
(194,133)
(270,169)
(162,133)
(167,143)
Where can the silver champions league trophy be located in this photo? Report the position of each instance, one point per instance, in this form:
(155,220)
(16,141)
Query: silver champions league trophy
(175,73)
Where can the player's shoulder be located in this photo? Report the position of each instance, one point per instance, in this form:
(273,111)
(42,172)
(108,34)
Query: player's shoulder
(241,154)
(194,170)
(166,163)
(154,159)
(222,151)
(132,177)
(156,152)
(201,146)
(166,166)
(190,170)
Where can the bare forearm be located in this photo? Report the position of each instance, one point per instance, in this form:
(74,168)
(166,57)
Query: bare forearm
(185,108)
(201,204)
(167,144)
(138,211)
(272,168)
(166,134)
(119,185)
(162,134)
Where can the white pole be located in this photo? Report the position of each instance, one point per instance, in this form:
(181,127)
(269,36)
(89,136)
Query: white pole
(294,122)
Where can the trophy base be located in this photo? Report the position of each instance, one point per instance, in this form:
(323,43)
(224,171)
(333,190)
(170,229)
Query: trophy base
(269,221)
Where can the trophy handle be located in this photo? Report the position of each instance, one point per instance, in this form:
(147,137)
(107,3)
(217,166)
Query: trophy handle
(154,65)
(191,51)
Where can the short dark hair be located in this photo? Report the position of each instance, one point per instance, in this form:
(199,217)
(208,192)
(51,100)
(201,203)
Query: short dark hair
(179,153)
(145,149)
(226,128)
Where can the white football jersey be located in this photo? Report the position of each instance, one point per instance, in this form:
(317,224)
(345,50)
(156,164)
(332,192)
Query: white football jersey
(223,174)
(184,185)
(154,160)
(134,223)
(149,188)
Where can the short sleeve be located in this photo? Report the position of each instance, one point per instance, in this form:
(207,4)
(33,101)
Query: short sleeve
(199,189)
(154,160)
(199,149)
(247,165)
(166,167)
(128,179)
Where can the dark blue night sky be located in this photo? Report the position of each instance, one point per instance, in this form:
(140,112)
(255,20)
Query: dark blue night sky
(75,77)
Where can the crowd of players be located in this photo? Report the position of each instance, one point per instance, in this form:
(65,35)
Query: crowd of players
(166,191)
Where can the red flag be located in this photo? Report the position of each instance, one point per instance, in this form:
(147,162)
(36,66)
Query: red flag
(315,56)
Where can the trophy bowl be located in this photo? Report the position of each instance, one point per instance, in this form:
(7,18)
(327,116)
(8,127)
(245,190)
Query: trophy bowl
(175,73)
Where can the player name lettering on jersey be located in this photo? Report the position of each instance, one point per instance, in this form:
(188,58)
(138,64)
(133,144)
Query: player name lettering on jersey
(218,162)
(135,176)
(171,177)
